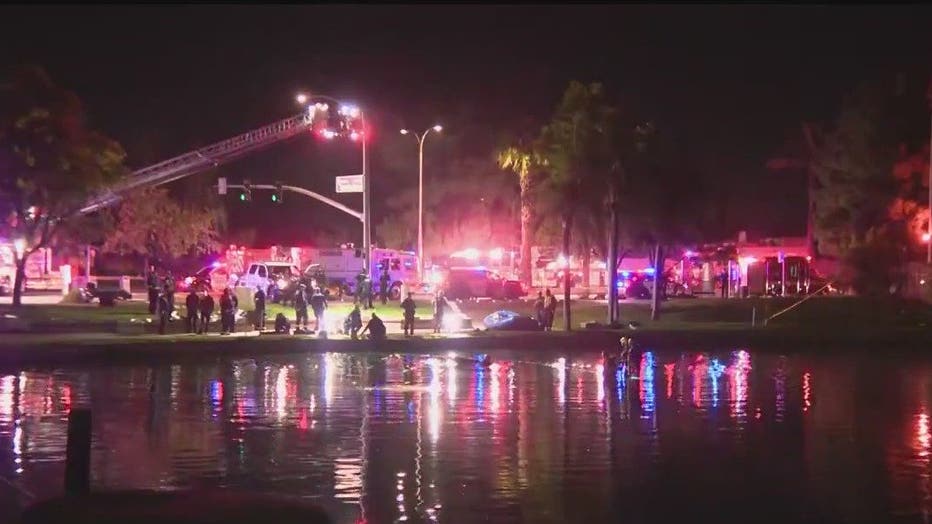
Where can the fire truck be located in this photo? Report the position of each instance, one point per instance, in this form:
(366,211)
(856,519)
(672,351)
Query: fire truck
(341,264)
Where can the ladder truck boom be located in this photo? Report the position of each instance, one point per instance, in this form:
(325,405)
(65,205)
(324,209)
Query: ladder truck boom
(200,160)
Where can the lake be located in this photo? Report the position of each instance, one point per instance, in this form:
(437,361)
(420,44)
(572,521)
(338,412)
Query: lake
(729,436)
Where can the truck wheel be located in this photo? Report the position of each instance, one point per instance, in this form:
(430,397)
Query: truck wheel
(395,292)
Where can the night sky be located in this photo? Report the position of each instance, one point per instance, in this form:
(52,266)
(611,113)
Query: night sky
(732,83)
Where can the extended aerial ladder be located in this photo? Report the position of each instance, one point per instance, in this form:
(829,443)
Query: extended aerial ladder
(202,159)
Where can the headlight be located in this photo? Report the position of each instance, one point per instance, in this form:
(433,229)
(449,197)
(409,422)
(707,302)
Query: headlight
(188,280)
(282,284)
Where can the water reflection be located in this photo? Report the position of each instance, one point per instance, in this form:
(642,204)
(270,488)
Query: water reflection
(529,438)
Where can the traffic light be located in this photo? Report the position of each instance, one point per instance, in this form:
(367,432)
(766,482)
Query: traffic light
(246,195)
(278,195)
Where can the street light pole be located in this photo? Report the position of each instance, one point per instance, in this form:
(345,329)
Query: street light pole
(366,205)
(420,195)
(352,111)
(929,225)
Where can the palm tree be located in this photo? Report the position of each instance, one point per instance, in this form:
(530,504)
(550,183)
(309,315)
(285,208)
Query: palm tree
(521,161)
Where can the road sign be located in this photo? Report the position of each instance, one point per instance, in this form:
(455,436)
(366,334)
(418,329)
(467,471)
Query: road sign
(222,185)
(349,184)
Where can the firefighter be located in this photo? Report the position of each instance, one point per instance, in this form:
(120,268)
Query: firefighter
(319,305)
(152,285)
(259,300)
(300,309)
(408,306)
(191,303)
(385,281)
(206,307)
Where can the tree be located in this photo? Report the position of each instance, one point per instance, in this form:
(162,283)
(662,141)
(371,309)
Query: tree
(50,162)
(150,222)
(568,143)
(523,161)
(869,187)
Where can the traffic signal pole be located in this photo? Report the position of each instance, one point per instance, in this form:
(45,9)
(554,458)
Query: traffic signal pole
(306,192)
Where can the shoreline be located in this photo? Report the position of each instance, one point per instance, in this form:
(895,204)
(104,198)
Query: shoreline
(23,350)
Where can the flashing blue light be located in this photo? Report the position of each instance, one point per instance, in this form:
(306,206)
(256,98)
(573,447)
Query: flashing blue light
(216,263)
(626,274)
(649,271)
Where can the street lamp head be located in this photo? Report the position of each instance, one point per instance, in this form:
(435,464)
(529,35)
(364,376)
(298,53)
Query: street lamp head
(301,98)
(403,131)
(438,128)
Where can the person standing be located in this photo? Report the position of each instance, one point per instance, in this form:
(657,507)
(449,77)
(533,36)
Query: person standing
(228,305)
(408,306)
(170,291)
(385,280)
(300,308)
(551,309)
(259,300)
(360,285)
(439,303)
(164,310)
(191,303)
(206,307)
(540,310)
(319,304)
(152,285)
(369,292)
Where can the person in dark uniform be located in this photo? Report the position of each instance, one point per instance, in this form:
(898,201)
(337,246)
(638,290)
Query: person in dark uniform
(375,327)
(319,305)
(551,309)
(152,285)
(408,306)
(540,310)
(259,299)
(439,303)
(164,311)
(228,305)
(191,303)
(385,280)
(354,322)
(300,308)
(369,292)
(170,290)
(206,307)
(360,285)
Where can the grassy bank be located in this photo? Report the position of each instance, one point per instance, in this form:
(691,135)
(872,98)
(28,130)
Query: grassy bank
(819,313)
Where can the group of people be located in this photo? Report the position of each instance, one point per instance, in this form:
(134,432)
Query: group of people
(199,307)
(317,300)
(545,308)
(376,327)
(364,291)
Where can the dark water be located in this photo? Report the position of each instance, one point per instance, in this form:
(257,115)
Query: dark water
(725,437)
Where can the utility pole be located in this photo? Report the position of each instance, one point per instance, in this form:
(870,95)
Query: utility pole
(366,202)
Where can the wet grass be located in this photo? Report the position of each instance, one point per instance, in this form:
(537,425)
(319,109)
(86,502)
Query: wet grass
(818,313)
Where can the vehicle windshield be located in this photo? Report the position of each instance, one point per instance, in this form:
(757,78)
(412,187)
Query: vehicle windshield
(280,271)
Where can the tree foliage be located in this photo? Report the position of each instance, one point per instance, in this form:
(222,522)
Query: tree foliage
(150,222)
(50,162)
